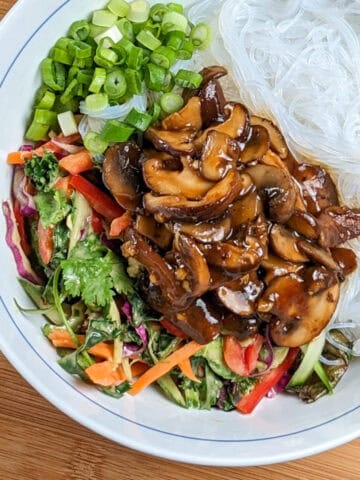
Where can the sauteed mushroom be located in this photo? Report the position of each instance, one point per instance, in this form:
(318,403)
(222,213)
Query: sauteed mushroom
(245,210)
(285,244)
(212,103)
(277,267)
(240,295)
(213,204)
(305,224)
(122,174)
(277,141)
(276,187)
(188,117)
(154,231)
(242,328)
(220,154)
(173,142)
(346,260)
(215,231)
(257,145)
(337,225)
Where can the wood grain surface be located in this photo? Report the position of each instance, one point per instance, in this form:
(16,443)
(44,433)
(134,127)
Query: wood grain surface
(37,442)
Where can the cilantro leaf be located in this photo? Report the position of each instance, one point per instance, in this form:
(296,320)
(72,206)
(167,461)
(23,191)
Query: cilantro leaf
(42,171)
(53,207)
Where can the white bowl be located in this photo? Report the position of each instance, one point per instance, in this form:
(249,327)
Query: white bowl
(280,430)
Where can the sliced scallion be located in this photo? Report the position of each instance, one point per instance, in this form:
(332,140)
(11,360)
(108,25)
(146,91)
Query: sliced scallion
(200,36)
(116,131)
(188,79)
(164,57)
(133,81)
(44,117)
(37,132)
(103,18)
(61,56)
(158,11)
(119,7)
(126,28)
(47,100)
(80,30)
(69,92)
(174,21)
(113,33)
(139,11)
(96,102)
(140,120)
(175,40)
(115,84)
(53,74)
(94,143)
(135,58)
(171,102)
(175,7)
(155,77)
(98,80)
(67,123)
(148,40)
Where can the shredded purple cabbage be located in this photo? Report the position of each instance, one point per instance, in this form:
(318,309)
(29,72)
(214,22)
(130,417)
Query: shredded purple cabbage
(26,201)
(266,355)
(280,386)
(26,148)
(132,349)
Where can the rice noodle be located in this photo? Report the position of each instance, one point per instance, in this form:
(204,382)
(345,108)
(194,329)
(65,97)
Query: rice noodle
(298,63)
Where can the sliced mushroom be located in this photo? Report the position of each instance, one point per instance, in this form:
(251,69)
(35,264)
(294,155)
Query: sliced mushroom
(317,279)
(317,254)
(197,279)
(256,146)
(122,174)
(277,267)
(239,296)
(299,316)
(277,141)
(219,154)
(337,225)
(200,321)
(173,142)
(285,245)
(215,231)
(318,189)
(212,103)
(242,328)
(277,188)
(188,117)
(173,297)
(305,224)
(214,203)
(272,159)
(175,177)
(245,210)
(154,231)
(235,126)
(208,73)
(346,260)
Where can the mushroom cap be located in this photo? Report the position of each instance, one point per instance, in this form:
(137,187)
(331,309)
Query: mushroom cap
(285,244)
(277,141)
(220,153)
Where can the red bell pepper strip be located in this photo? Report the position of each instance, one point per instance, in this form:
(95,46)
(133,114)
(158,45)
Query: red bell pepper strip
(96,222)
(98,200)
(173,329)
(242,360)
(267,382)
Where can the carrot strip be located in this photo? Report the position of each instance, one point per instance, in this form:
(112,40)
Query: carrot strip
(63,183)
(61,339)
(165,365)
(77,162)
(18,158)
(119,224)
(186,369)
(45,242)
(104,374)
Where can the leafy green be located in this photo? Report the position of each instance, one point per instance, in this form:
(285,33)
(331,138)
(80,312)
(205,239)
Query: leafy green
(100,330)
(93,273)
(118,391)
(61,243)
(42,171)
(53,207)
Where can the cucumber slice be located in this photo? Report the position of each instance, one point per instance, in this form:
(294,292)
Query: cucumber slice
(312,352)
(321,373)
(170,389)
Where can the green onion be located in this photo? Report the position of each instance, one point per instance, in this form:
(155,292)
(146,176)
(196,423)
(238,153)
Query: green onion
(95,31)
(46,100)
(155,112)
(175,39)
(154,28)
(53,74)
(140,120)
(84,77)
(135,58)
(105,57)
(103,18)
(63,43)
(115,131)
(72,105)
(80,30)
(175,7)
(155,77)
(72,73)
(67,123)
(200,36)
(45,117)
(139,11)
(94,143)
(174,21)
(148,40)
(186,51)
(83,62)
(112,34)
(164,57)
(133,80)
(115,84)
(171,102)
(126,44)
(70,91)
(157,12)
(37,132)
(61,56)
(81,91)
(188,79)
(121,53)
(80,50)
(126,28)
(96,102)
(98,80)
(119,7)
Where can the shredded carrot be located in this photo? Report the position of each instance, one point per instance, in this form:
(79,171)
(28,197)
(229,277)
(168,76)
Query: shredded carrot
(18,158)
(104,374)
(45,242)
(119,224)
(77,162)
(165,365)
(186,368)
(60,338)
(63,183)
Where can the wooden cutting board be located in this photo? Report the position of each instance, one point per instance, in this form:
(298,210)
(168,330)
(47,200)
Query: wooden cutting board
(37,442)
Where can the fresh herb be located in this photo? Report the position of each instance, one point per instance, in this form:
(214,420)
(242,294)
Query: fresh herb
(53,207)
(42,171)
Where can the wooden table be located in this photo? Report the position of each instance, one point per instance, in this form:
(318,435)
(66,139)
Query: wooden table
(37,442)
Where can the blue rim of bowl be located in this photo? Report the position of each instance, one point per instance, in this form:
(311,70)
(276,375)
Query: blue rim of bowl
(249,440)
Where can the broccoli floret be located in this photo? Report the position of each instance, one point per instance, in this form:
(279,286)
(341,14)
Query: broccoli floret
(42,171)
